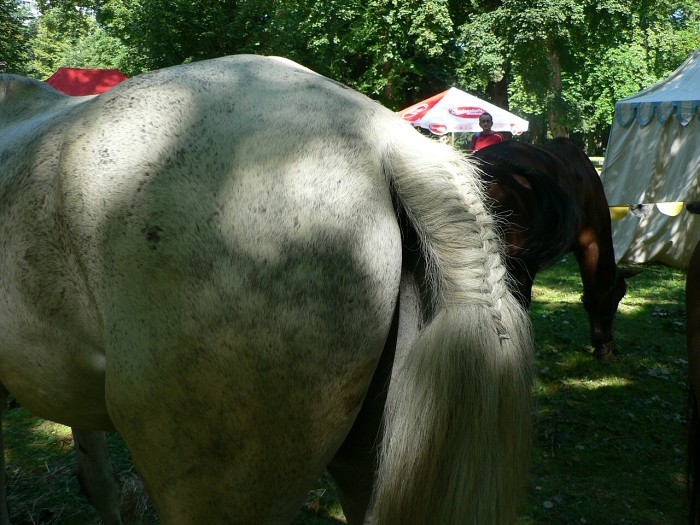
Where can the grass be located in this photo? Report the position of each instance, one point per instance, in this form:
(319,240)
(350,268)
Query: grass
(610,442)
(610,436)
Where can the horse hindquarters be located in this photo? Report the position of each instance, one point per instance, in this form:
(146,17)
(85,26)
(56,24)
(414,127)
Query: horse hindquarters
(238,231)
(245,314)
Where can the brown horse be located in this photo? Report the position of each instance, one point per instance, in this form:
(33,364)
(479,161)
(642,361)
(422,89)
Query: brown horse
(553,202)
(692,309)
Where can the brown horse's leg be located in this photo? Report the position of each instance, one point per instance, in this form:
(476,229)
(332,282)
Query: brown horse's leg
(4,514)
(96,475)
(692,299)
(587,252)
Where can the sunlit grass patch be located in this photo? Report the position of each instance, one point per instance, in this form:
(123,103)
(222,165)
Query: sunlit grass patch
(594,384)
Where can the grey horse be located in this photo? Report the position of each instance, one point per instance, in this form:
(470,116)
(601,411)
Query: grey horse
(254,273)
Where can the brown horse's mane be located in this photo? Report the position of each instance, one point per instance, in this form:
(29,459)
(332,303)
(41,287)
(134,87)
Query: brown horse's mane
(554,214)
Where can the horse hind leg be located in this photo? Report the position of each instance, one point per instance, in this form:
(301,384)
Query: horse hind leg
(355,463)
(353,467)
(4,513)
(96,475)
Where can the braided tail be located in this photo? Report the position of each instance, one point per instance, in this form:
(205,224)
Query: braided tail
(457,434)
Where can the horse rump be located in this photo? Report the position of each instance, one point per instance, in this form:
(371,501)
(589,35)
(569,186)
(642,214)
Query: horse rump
(237,297)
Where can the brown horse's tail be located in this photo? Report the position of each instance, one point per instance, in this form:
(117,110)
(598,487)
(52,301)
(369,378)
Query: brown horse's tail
(457,429)
(693,457)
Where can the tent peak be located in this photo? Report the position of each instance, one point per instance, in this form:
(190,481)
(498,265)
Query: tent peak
(678,94)
(84,81)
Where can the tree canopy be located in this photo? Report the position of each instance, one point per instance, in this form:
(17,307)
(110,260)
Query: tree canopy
(561,64)
(13,34)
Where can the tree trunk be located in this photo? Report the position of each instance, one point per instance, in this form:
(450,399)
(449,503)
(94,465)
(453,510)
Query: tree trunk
(499,93)
(555,117)
(389,86)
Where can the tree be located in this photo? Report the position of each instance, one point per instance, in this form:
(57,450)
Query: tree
(562,59)
(406,50)
(561,64)
(163,33)
(387,49)
(66,36)
(13,36)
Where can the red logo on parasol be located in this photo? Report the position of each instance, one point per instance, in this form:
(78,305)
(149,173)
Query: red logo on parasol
(414,112)
(438,129)
(466,112)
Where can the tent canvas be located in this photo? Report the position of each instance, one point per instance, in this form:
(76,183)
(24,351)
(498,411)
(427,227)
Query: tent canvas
(80,82)
(653,157)
(454,110)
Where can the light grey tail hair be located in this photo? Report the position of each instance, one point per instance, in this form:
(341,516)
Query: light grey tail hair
(457,428)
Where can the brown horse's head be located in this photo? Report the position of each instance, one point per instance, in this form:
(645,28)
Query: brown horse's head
(601,305)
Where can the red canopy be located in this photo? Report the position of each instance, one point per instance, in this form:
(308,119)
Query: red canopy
(78,82)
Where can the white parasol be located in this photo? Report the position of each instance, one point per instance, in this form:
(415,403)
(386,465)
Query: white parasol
(456,111)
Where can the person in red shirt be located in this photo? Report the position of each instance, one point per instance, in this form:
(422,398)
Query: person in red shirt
(487,136)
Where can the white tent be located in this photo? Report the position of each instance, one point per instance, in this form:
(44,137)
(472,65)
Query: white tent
(653,159)
(454,110)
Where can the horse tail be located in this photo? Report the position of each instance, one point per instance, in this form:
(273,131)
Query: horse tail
(457,424)
(693,473)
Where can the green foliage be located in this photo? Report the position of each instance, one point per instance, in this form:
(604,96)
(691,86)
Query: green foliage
(69,37)
(567,58)
(13,36)
(399,41)
(485,50)
(561,63)
(384,48)
(163,33)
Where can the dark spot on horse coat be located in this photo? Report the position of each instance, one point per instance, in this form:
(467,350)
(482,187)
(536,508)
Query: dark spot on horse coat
(152,235)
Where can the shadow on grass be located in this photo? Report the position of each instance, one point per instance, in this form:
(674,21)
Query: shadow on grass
(609,439)
(610,435)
